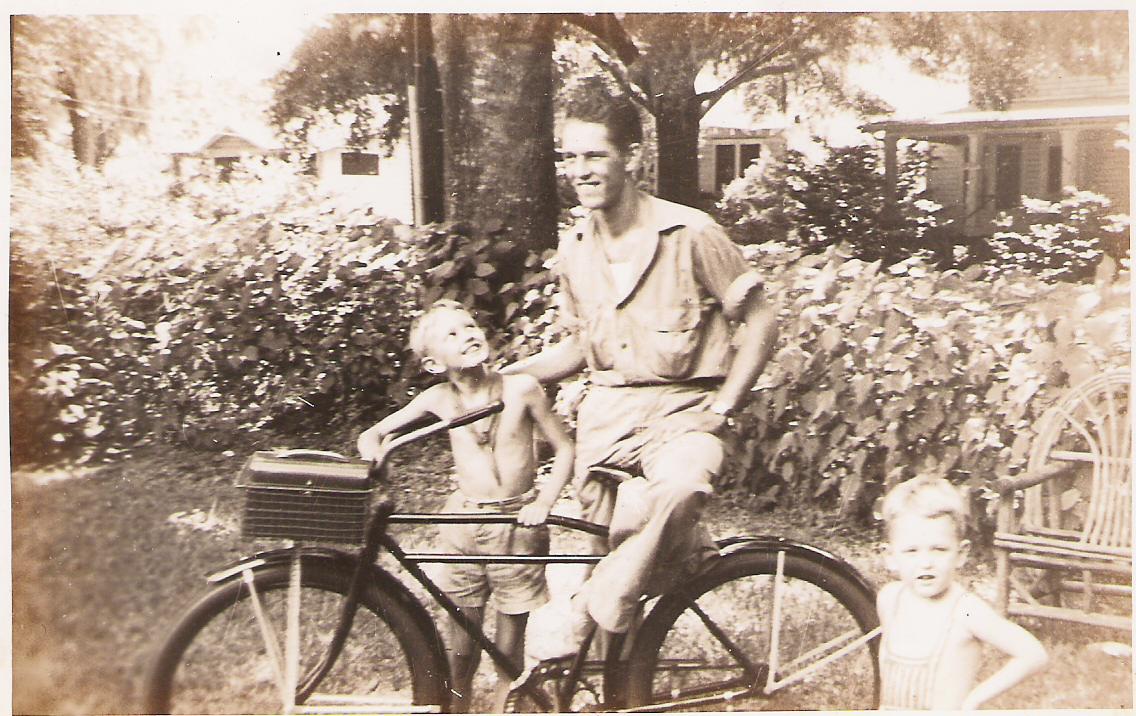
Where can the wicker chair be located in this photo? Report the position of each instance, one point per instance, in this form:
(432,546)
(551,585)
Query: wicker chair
(1064,549)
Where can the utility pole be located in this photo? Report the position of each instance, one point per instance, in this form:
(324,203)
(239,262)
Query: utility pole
(427,145)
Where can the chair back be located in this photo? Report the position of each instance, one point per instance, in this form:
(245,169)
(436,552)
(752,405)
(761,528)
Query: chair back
(1091,425)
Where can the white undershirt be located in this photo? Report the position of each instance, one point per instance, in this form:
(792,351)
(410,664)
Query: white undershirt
(621,271)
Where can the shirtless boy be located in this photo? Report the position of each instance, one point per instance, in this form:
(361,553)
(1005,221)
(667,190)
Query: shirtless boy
(495,467)
(933,628)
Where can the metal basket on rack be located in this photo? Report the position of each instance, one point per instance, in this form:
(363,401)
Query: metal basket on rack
(305,495)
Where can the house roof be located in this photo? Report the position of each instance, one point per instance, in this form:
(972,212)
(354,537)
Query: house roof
(1051,100)
(968,119)
(256,136)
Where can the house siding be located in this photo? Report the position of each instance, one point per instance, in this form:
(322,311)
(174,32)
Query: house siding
(1105,166)
(945,178)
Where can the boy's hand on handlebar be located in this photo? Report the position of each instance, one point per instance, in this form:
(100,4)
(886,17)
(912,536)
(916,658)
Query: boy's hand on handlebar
(533,514)
(375,450)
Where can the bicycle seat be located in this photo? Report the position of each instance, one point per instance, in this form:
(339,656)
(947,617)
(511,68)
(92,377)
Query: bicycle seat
(610,475)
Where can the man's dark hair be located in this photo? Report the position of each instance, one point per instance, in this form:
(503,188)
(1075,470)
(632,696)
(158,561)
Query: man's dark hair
(617,114)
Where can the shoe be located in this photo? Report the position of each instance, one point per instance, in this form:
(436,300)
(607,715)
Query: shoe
(556,630)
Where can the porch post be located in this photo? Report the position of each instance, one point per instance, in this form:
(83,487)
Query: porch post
(972,183)
(890,173)
(1069,137)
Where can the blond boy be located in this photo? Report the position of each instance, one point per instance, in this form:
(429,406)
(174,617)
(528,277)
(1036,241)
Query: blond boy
(933,628)
(495,467)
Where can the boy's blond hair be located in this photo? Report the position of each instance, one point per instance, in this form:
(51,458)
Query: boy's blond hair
(926,496)
(421,325)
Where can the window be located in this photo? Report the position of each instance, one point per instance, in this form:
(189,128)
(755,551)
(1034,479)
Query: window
(1053,177)
(226,164)
(749,153)
(1007,176)
(359,163)
(731,161)
(723,166)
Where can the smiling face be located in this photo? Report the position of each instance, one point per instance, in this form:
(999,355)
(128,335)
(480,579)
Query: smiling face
(453,341)
(925,552)
(599,171)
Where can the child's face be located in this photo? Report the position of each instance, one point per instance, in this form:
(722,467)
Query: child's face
(454,341)
(925,552)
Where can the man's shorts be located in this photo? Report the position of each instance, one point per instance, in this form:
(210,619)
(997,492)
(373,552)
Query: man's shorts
(516,588)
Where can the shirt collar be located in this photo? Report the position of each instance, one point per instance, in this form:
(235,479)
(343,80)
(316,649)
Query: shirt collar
(656,217)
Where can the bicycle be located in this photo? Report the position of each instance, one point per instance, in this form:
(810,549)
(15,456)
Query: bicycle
(769,623)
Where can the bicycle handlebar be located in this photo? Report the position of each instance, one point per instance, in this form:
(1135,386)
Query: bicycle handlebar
(414,432)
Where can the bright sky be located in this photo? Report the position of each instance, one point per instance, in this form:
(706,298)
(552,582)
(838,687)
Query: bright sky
(245,47)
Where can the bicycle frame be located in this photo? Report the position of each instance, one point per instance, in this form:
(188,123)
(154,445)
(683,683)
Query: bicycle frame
(364,567)
(765,679)
(770,677)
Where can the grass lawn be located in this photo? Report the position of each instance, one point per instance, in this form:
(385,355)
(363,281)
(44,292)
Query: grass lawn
(103,564)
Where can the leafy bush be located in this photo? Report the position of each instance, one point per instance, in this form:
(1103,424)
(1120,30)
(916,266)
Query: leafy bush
(1061,240)
(813,206)
(883,373)
(199,321)
(509,287)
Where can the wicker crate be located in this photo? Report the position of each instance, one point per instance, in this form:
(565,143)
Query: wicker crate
(304,495)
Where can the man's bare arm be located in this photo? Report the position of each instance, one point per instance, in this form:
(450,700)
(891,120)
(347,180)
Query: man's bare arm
(552,364)
(756,338)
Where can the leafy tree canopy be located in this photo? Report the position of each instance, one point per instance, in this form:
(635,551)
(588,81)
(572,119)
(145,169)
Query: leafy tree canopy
(1001,51)
(88,73)
(352,68)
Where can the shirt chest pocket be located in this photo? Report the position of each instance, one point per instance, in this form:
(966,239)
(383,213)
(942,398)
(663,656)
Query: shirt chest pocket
(667,339)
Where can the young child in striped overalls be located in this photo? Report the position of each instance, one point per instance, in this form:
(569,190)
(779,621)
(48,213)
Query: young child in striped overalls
(933,628)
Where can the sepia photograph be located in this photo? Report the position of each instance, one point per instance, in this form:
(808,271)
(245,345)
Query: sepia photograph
(370,360)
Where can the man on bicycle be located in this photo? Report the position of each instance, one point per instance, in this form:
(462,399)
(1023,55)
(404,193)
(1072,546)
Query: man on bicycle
(673,328)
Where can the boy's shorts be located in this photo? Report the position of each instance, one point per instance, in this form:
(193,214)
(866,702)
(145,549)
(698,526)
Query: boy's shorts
(516,588)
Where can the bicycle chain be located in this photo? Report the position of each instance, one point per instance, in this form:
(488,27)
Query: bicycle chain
(546,678)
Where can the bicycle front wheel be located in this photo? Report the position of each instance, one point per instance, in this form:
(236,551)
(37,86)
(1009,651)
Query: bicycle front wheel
(229,654)
(762,630)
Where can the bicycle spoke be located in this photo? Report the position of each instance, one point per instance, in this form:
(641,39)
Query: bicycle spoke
(268,635)
(234,657)
(718,647)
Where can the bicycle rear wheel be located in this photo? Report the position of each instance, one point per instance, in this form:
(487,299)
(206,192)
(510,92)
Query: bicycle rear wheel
(219,660)
(714,643)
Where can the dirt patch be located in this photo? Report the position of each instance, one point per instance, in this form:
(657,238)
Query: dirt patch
(105,561)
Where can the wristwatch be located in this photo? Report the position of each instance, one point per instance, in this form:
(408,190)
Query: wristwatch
(725,411)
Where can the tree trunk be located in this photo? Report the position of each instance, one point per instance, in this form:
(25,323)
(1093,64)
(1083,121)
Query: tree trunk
(676,130)
(677,114)
(497,90)
(426,130)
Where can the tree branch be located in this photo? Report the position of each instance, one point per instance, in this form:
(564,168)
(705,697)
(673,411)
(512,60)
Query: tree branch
(634,91)
(606,28)
(750,71)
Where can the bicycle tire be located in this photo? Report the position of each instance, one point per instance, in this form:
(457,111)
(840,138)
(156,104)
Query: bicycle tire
(676,657)
(212,666)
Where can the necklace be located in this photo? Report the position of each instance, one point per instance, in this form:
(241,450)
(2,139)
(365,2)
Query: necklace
(484,430)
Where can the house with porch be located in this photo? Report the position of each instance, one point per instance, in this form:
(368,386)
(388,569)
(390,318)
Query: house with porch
(1066,131)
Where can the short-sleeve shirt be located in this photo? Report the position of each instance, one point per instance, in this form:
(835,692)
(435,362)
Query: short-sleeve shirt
(669,322)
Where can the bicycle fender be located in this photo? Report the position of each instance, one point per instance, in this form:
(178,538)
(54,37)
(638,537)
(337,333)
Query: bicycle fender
(276,556)
(772,543)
